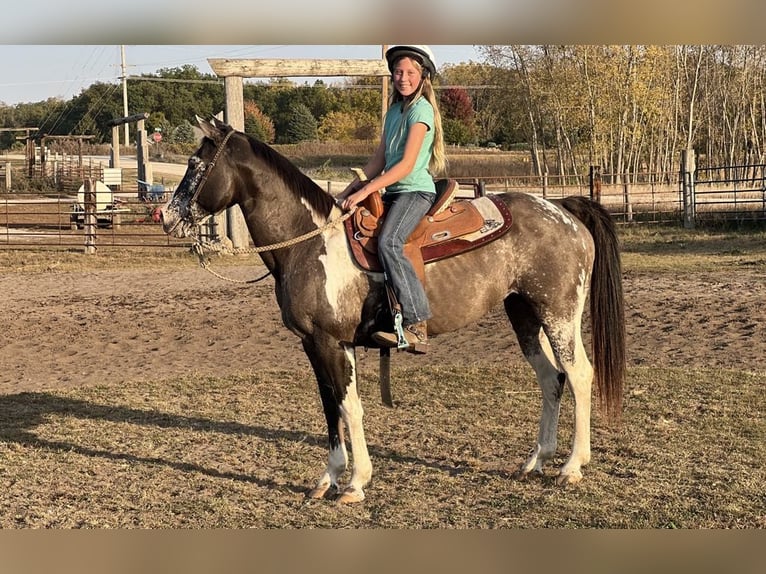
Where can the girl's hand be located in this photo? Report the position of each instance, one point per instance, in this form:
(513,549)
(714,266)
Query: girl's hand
(355,199)
(351,188)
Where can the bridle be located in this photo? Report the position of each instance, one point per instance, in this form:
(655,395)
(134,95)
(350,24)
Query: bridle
(209,167)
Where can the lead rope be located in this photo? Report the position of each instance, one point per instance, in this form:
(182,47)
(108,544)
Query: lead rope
(199,247)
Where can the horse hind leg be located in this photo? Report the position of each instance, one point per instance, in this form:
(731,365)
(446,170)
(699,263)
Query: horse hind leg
(556,353)
(578,373)
(538,353)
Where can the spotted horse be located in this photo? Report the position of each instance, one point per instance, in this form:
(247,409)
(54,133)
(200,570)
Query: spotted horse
(558,255)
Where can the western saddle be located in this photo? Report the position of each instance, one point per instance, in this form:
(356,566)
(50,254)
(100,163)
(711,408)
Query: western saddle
(453,225)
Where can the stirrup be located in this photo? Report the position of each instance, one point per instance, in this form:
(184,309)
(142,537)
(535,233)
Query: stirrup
(401,340)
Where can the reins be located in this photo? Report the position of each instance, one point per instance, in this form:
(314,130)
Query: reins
(199,247)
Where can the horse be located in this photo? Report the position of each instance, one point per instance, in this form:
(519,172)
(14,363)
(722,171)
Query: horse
(558,254)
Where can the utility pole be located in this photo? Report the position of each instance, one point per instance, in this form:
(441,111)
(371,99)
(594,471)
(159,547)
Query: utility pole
(125,94)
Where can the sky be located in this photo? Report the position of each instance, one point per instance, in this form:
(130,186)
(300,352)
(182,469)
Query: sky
(51,48)
(34,73)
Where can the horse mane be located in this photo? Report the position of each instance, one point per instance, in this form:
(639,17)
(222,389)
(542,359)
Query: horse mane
(295,180)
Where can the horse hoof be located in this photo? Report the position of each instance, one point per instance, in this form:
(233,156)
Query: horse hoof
(565,479)
(351,495)
(321,491)
(521,475)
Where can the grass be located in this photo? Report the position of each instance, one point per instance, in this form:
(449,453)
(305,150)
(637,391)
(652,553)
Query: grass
(677,250)
(199,452)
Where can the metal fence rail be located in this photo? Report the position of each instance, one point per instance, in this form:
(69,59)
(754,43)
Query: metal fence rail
(735,192)
(656,198)
(36,220)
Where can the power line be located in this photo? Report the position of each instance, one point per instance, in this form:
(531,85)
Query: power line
(179,80)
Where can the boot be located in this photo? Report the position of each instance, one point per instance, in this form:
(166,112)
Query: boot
(416,335)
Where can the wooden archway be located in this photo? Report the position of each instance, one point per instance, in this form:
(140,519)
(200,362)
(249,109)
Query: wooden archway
(233,71)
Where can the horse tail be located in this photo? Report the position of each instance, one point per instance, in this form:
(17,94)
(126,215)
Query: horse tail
(607,308)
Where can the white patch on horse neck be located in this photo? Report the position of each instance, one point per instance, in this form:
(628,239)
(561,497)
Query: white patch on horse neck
(340,270)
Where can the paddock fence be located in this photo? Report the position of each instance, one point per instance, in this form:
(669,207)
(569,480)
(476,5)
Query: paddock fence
(692,196)
(57,217)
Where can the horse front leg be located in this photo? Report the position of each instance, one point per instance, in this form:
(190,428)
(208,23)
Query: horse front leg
(335,369)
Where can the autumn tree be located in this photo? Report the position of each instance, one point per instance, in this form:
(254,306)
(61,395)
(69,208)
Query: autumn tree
(457,110)
(258,124)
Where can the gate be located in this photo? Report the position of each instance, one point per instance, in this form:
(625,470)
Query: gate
(722,194)
(59,220)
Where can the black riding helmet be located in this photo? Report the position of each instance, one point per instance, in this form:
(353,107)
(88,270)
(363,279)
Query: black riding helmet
(422,54)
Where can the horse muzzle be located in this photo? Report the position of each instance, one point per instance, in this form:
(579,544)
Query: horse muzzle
(172,222)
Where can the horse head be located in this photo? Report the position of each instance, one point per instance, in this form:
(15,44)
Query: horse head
(203,190)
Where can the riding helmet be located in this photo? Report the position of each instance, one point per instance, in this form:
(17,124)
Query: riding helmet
(422,54)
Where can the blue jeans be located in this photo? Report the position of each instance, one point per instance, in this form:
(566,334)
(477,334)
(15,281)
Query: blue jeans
(404,211)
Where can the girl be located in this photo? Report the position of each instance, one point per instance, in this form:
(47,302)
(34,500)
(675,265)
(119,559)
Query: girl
(410,153)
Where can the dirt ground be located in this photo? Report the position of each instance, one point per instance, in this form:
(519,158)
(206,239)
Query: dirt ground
(62,329)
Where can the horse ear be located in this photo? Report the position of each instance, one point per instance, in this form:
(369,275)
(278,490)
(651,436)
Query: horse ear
(222,126)
(208,129)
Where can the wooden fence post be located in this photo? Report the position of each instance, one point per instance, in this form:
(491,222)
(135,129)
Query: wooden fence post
(687,183)
(89,217)
(626,201)
(595,183)
(8,170)
(236,228)
(142,153)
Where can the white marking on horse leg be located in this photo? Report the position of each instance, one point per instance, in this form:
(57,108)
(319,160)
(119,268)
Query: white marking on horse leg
(548,379)
(580,379)
(353,413)
(337,462)
(579,376)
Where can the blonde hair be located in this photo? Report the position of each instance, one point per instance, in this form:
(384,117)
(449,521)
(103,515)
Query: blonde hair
(438,161)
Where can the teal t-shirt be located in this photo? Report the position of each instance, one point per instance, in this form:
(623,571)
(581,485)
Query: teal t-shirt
(396,129)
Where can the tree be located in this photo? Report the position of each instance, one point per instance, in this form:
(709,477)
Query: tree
(348,126)
(301,125)
(157,121)
(457,133)
(457,109)
(455,103)
(496,99)
(337,126)
(183,133)
(258,124)
(179,93)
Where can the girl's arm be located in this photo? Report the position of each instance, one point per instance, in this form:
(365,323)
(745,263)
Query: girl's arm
(415,138)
